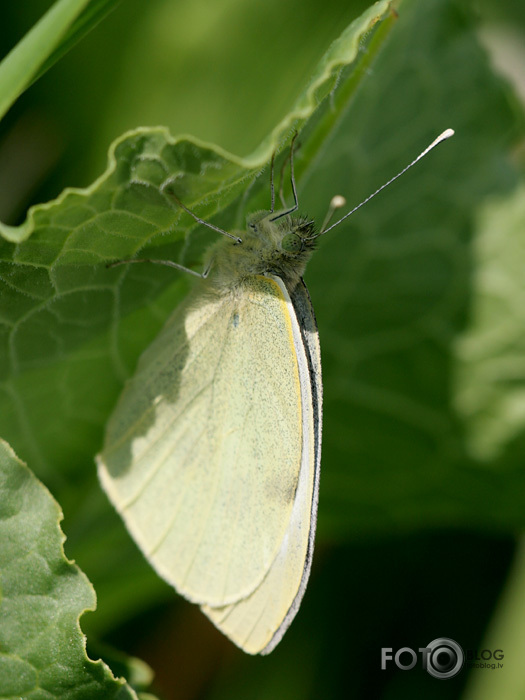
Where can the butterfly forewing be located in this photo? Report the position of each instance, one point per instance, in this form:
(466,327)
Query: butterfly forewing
(204,450)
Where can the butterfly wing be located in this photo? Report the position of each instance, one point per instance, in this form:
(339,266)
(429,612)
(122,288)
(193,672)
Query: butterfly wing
(203,453)
(258,622)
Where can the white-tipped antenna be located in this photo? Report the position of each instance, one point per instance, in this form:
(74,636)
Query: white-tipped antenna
(442,137)
(336,202)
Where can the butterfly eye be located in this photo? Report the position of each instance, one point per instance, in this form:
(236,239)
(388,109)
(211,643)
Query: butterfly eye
(292,243)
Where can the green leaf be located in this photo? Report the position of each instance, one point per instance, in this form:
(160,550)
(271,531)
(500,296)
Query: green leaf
(71,330)
(43,595)
(60,28)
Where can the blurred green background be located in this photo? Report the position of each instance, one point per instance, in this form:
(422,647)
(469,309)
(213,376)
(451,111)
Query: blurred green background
(418,305)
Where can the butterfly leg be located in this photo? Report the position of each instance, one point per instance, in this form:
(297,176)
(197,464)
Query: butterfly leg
(292,180)
(168,263)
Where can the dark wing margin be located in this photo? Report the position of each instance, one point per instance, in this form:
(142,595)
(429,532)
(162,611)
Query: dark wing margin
(308,325)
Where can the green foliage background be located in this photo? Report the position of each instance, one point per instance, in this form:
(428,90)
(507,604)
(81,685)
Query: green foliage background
(418,302)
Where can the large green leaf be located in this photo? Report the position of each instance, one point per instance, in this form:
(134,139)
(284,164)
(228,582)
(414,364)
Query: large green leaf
(71,330)
(43,594)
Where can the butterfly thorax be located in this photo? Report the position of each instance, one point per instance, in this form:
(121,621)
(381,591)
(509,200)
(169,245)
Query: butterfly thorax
(271,244)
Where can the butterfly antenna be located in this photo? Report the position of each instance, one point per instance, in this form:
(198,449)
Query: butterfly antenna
(442,137)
